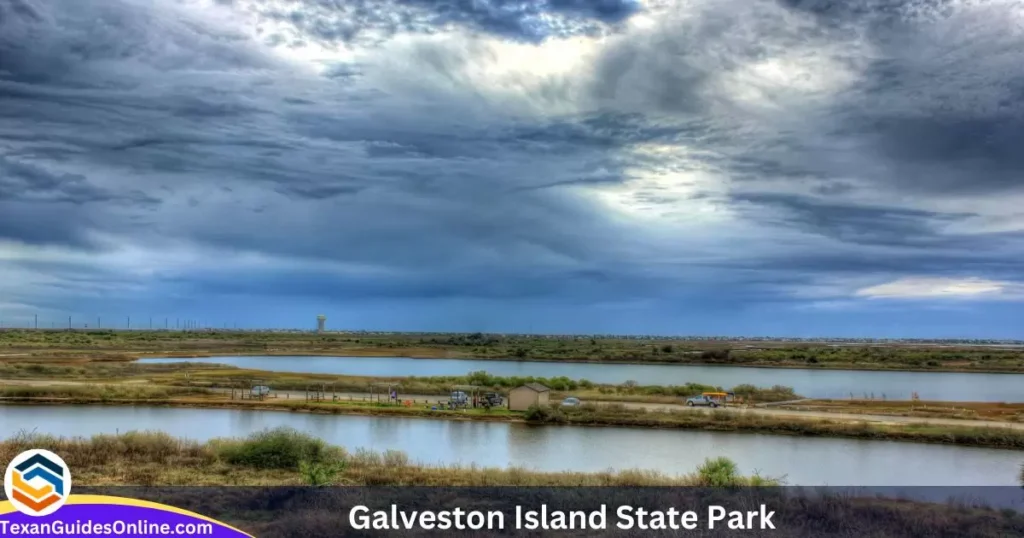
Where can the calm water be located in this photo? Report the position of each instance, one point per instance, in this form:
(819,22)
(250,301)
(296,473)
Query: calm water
(804,461)
(811,383)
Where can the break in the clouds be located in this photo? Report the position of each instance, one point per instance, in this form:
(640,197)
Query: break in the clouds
(692,166)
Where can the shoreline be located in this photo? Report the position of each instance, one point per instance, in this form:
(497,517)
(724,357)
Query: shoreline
(355,354)
(966,436)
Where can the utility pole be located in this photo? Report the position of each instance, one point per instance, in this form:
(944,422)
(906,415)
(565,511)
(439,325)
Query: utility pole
(98,325)
(165,324)
(69,323)
(37,321)
(129,323)
(151,323)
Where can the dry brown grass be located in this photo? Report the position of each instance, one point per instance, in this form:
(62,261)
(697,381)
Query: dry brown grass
(272,458)
(995,411)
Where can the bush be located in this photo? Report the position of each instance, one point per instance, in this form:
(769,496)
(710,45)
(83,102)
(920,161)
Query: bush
(715,355)
(282,448)
(718,472)
(538,413)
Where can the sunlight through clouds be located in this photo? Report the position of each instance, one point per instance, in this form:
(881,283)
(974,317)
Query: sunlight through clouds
(942,287)
(682,155)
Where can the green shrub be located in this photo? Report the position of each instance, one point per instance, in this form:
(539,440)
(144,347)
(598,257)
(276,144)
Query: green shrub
(537,413)
(281,448)
(718,472)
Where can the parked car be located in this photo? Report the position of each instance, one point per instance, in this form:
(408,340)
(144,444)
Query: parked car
(571,402)
(459,398)
(491,399)
(704,400)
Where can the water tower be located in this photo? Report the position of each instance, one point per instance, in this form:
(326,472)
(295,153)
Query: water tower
(320,321)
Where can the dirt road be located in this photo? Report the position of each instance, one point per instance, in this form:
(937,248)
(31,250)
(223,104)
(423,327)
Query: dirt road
(424,399)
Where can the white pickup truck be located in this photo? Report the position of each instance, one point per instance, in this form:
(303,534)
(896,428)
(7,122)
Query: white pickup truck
(704,400)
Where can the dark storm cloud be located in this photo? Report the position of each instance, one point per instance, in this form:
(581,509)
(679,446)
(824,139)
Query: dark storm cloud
(861,224)
(941,106)
(21,181)
(38,206)
(49,224)
(938,105)
(507,284)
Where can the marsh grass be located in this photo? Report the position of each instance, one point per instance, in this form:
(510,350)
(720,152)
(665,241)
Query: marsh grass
(100,392)
(287,457)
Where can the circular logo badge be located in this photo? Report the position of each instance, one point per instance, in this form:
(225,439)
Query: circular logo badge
(37,482)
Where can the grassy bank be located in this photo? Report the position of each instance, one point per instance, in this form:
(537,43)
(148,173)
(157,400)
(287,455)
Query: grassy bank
(612,415)
(287,457)
(586,415)
(990,411)
(125,345)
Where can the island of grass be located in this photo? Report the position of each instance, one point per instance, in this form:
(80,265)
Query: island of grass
(209,374)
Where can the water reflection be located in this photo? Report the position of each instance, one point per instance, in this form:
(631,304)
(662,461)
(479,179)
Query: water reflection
(386,433)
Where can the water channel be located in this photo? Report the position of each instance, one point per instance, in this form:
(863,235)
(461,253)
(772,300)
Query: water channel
(801,460)
(945,386)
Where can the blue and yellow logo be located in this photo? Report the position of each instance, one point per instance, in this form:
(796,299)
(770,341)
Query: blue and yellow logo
(37,482)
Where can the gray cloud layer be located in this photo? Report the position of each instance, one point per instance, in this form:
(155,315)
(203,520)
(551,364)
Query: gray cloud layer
(836,140)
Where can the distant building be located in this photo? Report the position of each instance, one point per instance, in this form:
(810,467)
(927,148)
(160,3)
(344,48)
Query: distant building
(321,320)
(521,398)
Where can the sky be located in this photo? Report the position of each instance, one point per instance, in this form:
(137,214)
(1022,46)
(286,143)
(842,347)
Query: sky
(693,167)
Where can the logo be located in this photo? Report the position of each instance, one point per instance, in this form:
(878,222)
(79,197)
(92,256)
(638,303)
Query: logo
(37,482)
